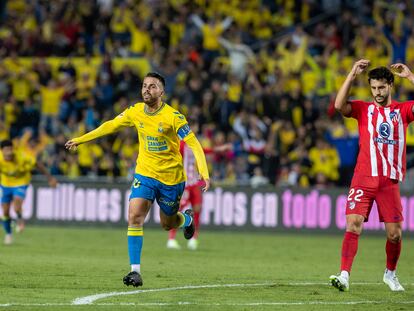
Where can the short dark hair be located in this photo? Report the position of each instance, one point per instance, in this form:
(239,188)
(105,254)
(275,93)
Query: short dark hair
(156,75)
(6,143)
(381,73)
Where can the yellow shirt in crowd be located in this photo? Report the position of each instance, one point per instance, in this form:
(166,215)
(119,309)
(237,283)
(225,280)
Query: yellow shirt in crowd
(51,99)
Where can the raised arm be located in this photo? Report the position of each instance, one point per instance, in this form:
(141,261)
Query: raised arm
(341,102)
(226,22)
(403,71)
(226,43)
(248,51)
(197,20)
(106,128)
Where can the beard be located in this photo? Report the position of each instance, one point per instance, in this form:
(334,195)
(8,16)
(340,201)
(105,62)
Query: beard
(381,99)
(149,99)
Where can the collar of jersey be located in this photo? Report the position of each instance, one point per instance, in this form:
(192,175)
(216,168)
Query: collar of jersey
(155,112)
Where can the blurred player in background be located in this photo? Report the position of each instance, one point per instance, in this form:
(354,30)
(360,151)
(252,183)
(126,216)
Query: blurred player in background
(16,165)
(380,166)
(33,147)
(159,173)
(192,194)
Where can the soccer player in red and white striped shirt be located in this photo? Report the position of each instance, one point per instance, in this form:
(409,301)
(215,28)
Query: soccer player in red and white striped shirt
(381,164)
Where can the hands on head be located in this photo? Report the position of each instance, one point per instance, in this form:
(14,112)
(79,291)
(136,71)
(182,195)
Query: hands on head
(360,66)
(401,70)
(398,69)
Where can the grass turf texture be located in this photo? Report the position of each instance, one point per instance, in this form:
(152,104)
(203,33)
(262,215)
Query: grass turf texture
(50,265)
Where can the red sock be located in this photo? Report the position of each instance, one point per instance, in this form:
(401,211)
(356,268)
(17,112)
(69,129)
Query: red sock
(172,233)
(196,220)
(349,250)
(393,251)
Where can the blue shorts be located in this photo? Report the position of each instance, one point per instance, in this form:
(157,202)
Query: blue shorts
(8,193)
(168,197)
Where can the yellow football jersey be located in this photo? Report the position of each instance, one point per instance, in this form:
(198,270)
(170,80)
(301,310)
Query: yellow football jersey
(159,141)
(17,172)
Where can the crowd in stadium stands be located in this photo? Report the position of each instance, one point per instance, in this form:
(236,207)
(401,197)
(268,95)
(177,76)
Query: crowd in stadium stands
(255,78)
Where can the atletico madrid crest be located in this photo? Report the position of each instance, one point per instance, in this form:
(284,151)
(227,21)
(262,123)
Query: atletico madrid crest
(394,116)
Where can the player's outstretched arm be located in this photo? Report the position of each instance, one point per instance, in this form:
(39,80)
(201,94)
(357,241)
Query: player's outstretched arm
(105,128)
(198,152)
(341,102)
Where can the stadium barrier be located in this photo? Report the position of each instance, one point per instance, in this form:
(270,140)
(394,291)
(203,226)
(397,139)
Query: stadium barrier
(233,208)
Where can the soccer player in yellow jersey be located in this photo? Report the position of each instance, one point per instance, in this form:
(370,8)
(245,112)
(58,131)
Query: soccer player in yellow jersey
(159,173)
(15,175)
(16,164)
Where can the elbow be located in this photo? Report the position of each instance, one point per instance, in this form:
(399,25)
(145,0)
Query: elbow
(338,105)
(337,108)
(342,108)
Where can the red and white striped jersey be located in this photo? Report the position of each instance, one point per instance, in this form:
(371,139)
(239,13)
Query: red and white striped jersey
(382,132)
(190,166)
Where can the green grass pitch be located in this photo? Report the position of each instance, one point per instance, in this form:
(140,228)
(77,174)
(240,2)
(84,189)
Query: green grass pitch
(47,268)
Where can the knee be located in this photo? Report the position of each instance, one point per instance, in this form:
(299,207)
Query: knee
(6,212)
(394,236)
(135,220)
(17,204)
(354,227)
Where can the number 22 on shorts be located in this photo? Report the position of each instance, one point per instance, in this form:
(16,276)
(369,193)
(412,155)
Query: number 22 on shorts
(358,194)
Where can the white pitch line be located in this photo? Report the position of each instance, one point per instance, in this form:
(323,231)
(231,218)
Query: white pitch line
(88,300)
(92,298)
(34,304)
(181,303)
